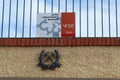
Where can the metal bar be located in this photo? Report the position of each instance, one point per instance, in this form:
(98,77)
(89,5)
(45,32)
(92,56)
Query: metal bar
(73,5)
(80,16)
(94,18)
(65,5)
(23,18)
(52,6)
(9,19)
(87,19)
(16,19)
(2,18)
(116,18)
(37,6)
(102,17)
(59,8)
(30,18)
(109,18)
(58,5)
(45,6)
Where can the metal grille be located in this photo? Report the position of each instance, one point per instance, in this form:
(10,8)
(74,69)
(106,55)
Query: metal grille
(94,18)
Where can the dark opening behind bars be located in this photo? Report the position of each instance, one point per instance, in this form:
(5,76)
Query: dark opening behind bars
(94,18)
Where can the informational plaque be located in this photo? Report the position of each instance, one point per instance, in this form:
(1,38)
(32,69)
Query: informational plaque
(55,25)
(48,25)
(68,24)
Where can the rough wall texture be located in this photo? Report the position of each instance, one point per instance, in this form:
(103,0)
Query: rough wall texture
(77,62)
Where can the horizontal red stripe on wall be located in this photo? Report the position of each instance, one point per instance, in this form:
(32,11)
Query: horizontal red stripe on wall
(34,42)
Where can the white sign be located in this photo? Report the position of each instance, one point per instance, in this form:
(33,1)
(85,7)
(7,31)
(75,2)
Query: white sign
(48,25)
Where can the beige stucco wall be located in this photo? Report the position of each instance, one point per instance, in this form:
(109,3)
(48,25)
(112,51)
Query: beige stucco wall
(77,62)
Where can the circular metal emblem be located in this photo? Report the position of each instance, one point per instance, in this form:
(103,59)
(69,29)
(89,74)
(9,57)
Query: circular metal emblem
(49,60)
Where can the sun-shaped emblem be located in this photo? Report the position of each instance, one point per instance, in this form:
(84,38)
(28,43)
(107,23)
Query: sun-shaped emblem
(49,60)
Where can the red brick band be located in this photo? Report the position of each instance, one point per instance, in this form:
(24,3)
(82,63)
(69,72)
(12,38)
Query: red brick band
(34,42)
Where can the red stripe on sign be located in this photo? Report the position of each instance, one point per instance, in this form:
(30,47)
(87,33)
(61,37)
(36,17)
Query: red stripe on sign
(68,24)
(68,35)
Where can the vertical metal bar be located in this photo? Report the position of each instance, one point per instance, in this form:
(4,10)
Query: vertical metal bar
(16,19)
(45,6)
(65,5)
(37,6)
(102,17)
(87,19)
(30,18)
(109,18)
(116,18)
(52,6)
(73,6)
(80,16)
(23,19)
(58,5)
(9,19)
(94,18)
(2,18)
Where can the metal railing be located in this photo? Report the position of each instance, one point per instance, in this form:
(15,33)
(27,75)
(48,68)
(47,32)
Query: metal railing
(94,18)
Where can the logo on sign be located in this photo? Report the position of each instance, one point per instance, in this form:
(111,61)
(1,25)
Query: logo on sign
(48,25)
(68,25)
(56,25)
